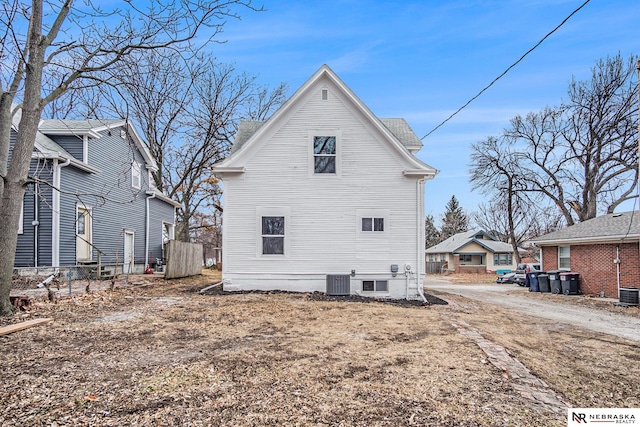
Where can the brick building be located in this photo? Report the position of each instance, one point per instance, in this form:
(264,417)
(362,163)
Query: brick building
(603,250)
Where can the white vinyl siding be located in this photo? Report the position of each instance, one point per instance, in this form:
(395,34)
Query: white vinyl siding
(323,229)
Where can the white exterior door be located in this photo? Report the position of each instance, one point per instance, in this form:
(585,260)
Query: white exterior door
(129,252)
(83,234)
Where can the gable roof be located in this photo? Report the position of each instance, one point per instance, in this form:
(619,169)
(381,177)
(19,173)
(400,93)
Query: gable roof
(396,131)
(458,241)
(614,227)
(398,127)
(48,148)
(92,128)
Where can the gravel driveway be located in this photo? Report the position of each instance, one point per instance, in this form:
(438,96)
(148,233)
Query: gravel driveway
(520,300)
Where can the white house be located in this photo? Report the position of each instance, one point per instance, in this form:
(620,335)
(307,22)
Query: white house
(324,196)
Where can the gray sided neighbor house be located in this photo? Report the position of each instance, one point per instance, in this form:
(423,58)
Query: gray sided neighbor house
(107,205)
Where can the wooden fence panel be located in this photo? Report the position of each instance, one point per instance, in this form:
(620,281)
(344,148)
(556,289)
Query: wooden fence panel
(183,259)
(434,267)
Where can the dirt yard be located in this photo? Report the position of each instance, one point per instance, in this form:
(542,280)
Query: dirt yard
(159,353)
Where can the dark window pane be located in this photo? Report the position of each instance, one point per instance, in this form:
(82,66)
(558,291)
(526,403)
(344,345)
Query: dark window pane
(324,145)
(80,223)
(378,224)
(273,225)
(325,164)
(367,224)
(273,245)
(382,286)
(367,285)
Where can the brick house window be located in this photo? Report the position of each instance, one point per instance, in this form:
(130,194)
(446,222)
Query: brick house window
(564,257)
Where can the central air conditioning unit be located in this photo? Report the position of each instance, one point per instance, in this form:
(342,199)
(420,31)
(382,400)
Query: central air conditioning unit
(629,296)
(338,284)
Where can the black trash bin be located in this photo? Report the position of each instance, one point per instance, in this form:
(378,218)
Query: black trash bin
(554,281)
(533,281)
(543,283)
(569,281)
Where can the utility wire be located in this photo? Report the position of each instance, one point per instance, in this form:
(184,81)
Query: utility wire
(507,70)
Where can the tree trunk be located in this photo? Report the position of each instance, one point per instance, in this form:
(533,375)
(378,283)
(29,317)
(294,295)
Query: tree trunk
(18,169)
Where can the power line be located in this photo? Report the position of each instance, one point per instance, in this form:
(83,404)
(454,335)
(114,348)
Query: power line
(507,70)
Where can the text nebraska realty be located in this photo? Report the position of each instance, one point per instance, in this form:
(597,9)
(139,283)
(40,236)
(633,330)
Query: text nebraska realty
(580,418)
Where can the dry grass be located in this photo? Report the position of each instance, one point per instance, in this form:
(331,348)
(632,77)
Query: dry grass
(470,278)
(162,354)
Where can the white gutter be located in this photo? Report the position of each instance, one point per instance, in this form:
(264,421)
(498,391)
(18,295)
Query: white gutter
(55,201)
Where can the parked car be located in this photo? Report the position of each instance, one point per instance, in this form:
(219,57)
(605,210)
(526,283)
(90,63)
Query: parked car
(506,278)
(522,270)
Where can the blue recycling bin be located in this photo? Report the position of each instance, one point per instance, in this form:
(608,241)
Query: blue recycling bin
(533,281)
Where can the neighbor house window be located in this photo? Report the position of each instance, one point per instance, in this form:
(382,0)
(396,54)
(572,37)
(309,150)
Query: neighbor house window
(502,259)
(324,154)
(443,257)
(136,175)
(373,224)
(273,235)
(564,257)
(375,286)
(431,258)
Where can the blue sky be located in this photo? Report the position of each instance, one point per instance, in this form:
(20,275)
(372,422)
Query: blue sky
(422,60)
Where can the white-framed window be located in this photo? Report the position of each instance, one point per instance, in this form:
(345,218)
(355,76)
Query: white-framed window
(273,236)
(443,257)
(375,286)
(324,153)
(374,224)
(136,175)
(502,259)
(431,257)
(564,257)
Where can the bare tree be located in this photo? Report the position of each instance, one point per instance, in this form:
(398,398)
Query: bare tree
(221,98)
(48,48)
(494,170)
(583,155)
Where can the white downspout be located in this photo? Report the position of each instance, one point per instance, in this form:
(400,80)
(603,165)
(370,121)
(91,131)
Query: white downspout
(146,238)
(420,236)
(55,214)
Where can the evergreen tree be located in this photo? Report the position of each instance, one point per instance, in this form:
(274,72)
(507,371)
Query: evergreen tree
(454,220)
(431,233)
